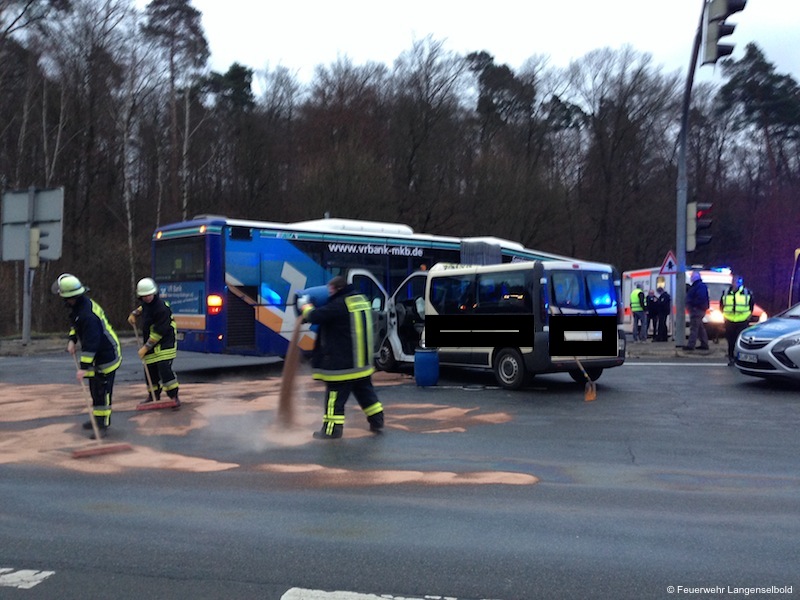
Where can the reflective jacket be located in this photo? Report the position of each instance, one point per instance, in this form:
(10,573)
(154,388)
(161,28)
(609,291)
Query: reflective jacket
(344,346)
(737,305)
(100,350)
(159,326)
(637,300)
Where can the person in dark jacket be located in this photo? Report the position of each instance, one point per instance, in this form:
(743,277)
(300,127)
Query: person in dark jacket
(663,311)
(651,306)
(697,304)
(343,356)
(100,354)
(160,348)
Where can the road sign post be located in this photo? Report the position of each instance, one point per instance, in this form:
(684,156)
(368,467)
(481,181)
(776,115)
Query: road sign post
(28,216)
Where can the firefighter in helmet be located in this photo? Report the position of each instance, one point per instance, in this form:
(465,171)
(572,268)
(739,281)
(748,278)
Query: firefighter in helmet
(160,335)
(100,354)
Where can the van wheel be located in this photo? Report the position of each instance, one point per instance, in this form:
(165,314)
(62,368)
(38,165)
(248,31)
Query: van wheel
(594,375)
(509,369)
(385,360)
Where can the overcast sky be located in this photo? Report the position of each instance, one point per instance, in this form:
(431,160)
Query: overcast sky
(300,34)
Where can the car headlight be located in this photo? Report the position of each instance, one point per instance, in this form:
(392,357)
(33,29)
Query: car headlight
(715,316)
(780,348)
(786,343)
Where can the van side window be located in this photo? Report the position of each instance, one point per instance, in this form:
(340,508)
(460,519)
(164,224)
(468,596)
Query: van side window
(452,295)
(503,293)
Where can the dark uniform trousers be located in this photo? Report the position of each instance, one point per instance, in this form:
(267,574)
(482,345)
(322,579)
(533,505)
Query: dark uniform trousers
(337,394)
(100,388)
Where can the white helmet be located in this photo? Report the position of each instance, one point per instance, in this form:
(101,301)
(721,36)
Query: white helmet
(68,286)
(145,287)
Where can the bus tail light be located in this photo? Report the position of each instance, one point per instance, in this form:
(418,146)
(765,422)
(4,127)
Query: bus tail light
(214,304)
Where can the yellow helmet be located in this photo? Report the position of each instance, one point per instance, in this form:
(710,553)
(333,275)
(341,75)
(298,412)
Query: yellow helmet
(145,287)
(68,286)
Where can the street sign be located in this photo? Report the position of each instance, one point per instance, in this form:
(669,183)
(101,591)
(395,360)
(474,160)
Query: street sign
(670,265)
(18,216)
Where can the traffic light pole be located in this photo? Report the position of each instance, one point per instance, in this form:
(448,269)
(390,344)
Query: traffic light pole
(680,224)
(27,274)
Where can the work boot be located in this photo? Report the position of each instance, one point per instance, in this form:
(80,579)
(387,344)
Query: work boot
(177,403)
(336,434)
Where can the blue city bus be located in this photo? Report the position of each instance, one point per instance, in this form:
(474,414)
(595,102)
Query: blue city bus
(232,283)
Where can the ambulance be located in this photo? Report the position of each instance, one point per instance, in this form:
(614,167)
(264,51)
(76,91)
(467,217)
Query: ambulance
(717,279)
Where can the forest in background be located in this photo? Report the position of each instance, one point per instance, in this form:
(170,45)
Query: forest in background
(119,106)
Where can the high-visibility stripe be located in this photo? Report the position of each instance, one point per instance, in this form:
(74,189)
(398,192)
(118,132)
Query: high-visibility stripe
(349,375)
(373,409)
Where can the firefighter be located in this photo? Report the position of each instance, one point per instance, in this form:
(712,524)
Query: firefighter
(737,306)
(160,347)
(342,356)
(100,354)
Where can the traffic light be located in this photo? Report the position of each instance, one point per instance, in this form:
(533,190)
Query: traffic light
(698,218)
(716,27)
(703,219)
(36,246)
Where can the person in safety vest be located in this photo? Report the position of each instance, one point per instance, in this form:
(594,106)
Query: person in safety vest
(100,354)
(637,310)
(342,356)
(160,334)
(737,306)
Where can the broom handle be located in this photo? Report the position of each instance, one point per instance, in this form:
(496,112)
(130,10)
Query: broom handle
(89,403)
(585,374)
(150,389)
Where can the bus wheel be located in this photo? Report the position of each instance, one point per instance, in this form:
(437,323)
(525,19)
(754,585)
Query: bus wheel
(509,369)
(385,359)
(594,375)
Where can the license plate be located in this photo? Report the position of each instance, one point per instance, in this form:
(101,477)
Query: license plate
(748,358)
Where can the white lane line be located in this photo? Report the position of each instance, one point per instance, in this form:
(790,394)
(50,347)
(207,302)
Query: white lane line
(23,579)
(674,364)
(303,594)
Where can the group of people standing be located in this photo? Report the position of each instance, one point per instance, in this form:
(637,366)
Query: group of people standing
(653,309)
(736,305)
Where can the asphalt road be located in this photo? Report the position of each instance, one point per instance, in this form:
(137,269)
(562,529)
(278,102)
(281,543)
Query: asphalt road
(682,473)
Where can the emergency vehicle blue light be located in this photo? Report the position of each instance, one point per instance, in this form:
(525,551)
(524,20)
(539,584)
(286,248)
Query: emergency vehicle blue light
(604,300)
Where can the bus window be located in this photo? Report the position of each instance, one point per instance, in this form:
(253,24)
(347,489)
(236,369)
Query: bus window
(181,260)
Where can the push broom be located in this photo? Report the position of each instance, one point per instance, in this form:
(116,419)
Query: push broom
(153,404)
(100,447)
(590,391)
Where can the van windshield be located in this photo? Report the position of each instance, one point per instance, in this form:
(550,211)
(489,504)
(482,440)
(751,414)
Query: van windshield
(583,290)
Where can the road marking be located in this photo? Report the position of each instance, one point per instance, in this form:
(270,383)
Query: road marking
(674,364)
(23,579)
(303,594)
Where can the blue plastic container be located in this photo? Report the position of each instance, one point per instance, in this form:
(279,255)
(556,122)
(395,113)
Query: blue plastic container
(318,295)
(426,366)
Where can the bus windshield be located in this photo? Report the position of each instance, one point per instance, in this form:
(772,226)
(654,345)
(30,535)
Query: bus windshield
(180,259)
